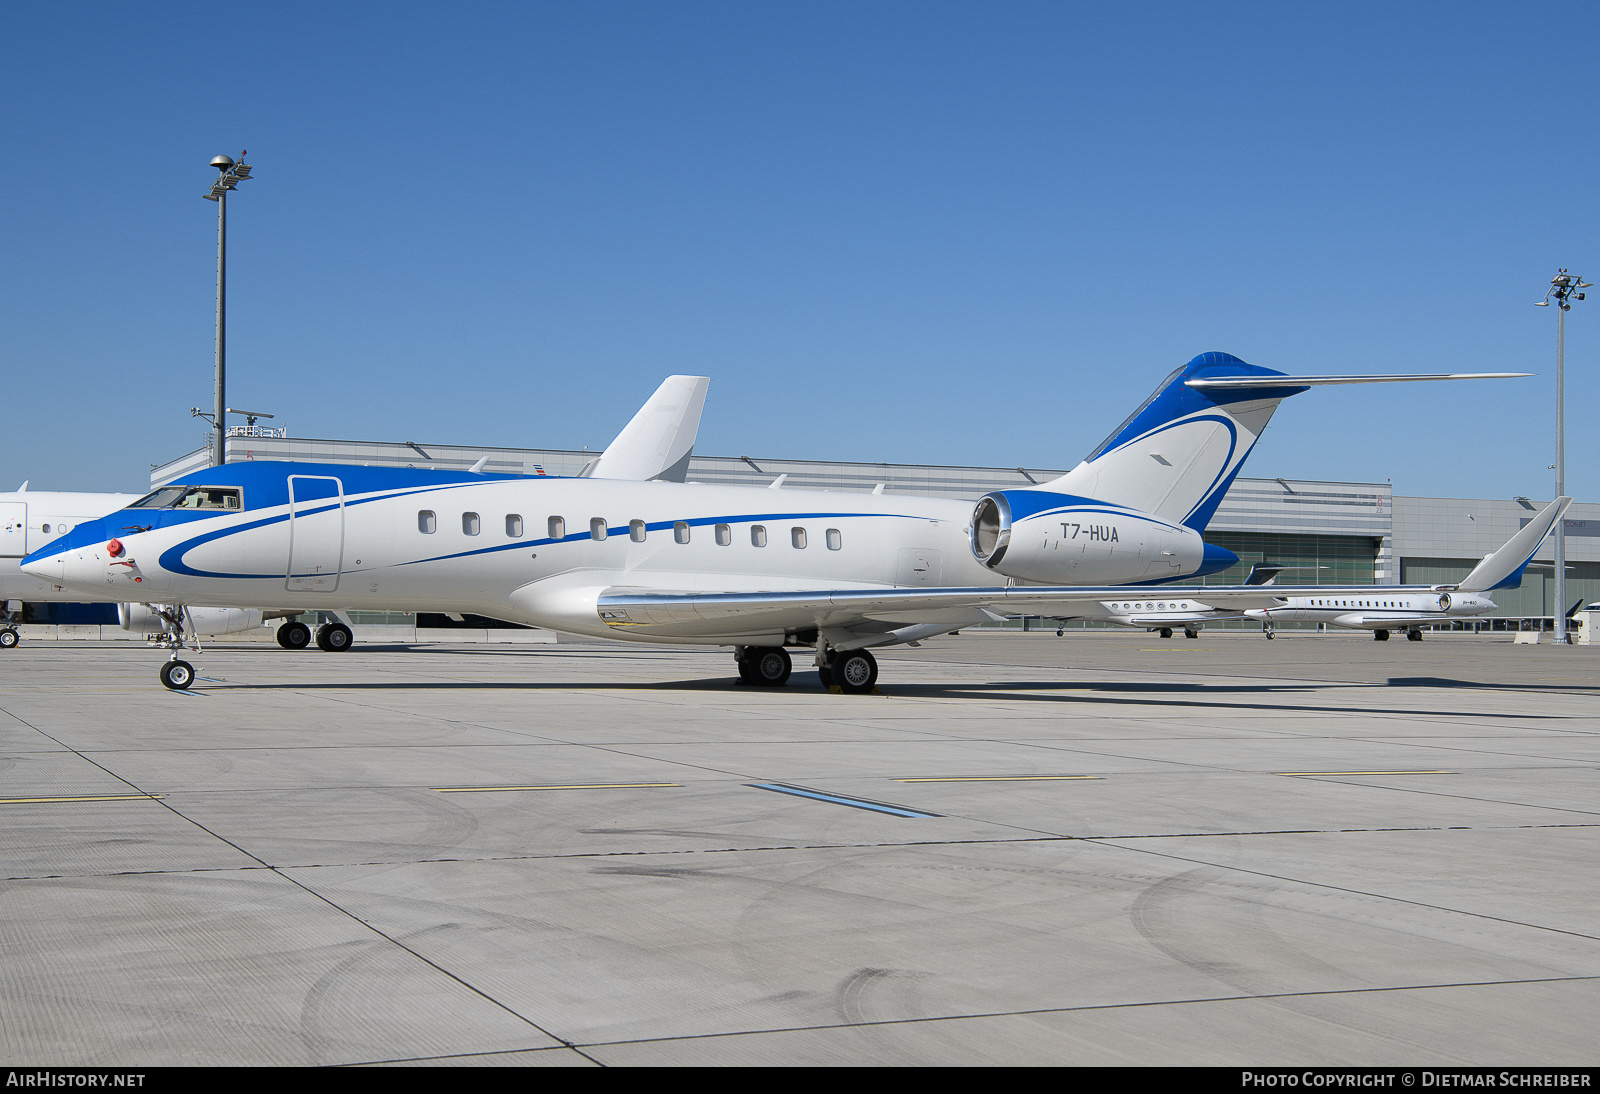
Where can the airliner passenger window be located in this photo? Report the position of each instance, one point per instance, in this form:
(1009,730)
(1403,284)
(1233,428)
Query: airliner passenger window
(680,532)
(558,528)
(514,525)
(835,541)
(427,522)
(469,524)
(636,531)
(758,536)
(597,529)
(724,535)
(797,536)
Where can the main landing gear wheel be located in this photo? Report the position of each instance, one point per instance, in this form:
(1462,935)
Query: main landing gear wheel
(8,639)
(334,638)
(1380,635)
(855,671)
(825,674)
(1413,636)
(1191,632)
(294,636)
(770,666)
(177,675)
(1166,632)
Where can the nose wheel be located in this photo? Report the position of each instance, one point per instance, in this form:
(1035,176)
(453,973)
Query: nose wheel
(8,639)
(177,675)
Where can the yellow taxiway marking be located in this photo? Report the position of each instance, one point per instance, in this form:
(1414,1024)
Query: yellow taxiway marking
(101,798)
(575,786)
(996,778)
(1300,774)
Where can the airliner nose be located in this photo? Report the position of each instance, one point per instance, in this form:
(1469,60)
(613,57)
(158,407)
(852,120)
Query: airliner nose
(50,568)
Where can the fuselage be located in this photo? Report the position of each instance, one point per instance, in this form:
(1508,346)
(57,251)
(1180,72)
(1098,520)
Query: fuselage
(1381,610)
(533,550)
(30,520)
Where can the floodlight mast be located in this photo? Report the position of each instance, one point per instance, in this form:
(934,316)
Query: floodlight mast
(1564,286)
(230,174)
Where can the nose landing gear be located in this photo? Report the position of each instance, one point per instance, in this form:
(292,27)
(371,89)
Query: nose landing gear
(177,674)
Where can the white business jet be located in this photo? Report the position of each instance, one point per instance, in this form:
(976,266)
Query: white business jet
(1156,611)
(1381,609)
(1377,608)
(655,444)
(758,569)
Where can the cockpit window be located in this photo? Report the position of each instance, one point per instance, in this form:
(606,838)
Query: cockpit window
(225,498)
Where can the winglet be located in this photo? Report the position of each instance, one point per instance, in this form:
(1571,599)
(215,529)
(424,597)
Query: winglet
(1503,568)
(659,440)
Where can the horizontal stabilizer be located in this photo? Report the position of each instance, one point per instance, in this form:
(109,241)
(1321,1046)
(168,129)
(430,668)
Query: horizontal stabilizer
(1504,568)
(1228,383)
(657,443)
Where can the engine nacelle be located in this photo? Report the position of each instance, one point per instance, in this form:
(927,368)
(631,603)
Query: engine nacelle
(142,619)
(1061,539)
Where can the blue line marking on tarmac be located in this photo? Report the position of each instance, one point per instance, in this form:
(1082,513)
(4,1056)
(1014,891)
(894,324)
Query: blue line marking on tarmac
(854,803)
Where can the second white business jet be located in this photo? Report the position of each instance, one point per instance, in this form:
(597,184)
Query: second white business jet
(759,569)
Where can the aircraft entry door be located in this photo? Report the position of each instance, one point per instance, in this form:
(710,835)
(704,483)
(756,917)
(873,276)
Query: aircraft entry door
(13,529)
(316,533)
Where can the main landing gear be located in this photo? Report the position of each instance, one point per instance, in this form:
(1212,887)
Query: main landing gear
(8,639)
(334,638)
(331,637)
(8,631)
(854,672)
(766,666)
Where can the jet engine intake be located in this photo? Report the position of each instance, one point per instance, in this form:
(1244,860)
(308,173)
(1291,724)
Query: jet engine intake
(1061,539)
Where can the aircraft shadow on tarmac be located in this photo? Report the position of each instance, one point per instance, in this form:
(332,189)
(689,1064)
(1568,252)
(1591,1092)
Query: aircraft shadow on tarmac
(1083,692)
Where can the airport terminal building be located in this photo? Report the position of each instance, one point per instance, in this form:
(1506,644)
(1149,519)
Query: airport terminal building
(1322,532)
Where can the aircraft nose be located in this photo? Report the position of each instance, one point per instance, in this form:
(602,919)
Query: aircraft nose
(51,568)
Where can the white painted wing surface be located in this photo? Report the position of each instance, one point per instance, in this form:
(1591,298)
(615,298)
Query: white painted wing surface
(702,614)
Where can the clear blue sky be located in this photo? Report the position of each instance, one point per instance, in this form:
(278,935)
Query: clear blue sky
(915,232)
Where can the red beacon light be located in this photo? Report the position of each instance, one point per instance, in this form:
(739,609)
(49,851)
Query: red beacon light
(115,548)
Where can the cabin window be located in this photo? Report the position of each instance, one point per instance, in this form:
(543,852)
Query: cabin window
(680,532)
(427,522)
(758,536)
(558,528)
(835,540)
(797,536)
(597,529)
(514,525)
(724,535)
(470,524)
(44,528)
(636,531)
